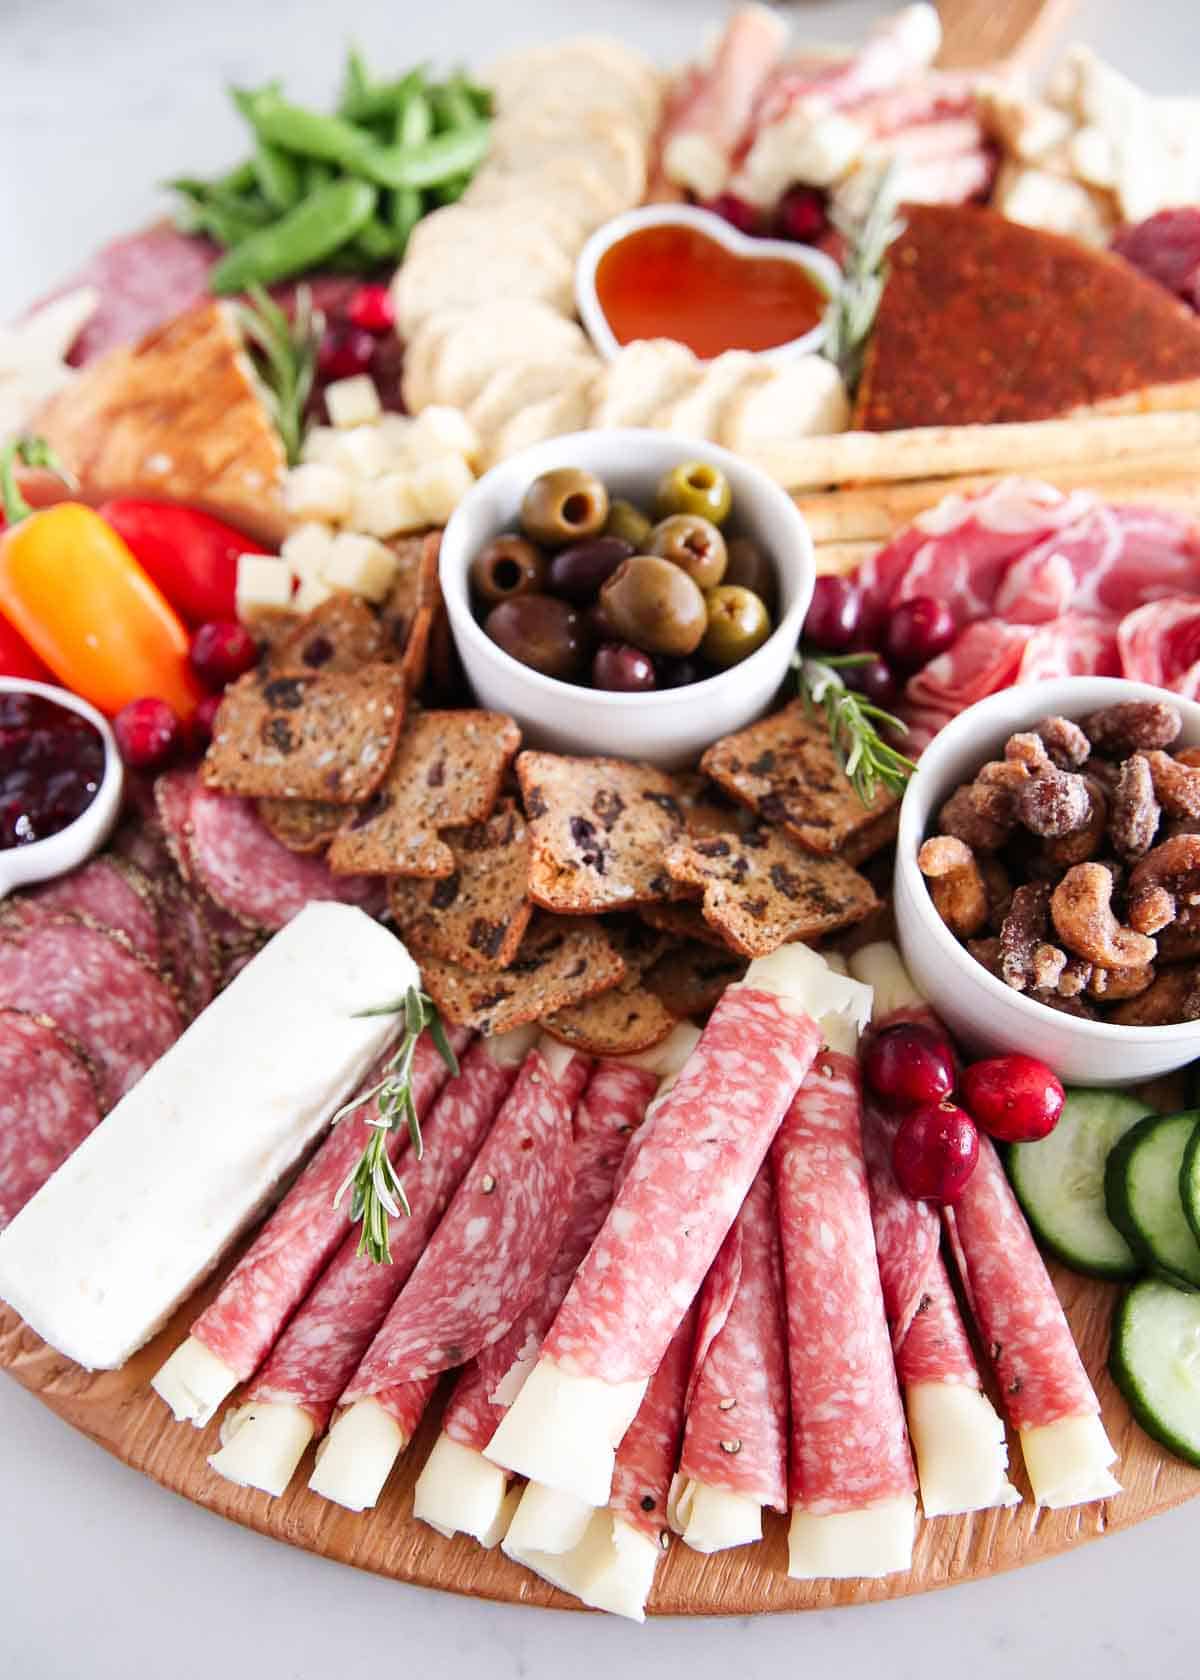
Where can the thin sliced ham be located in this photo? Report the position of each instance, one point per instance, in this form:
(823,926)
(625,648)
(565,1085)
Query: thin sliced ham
(706,123)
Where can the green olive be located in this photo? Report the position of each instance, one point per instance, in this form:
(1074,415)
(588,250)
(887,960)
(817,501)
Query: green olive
(563,506)
(694,545)
(654,605)
(508,566)
(694,487)
(738,623)
(630,524)
(749,568)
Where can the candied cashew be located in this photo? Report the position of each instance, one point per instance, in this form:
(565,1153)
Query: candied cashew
(1152,910)
(1176,785)
(962,818)
(1113,984)
(1174,996)
(1189,756)
(1135,813)
(1081,910)
(1085,842)
(1065,742)
(955,884)
(1173,869)
(1132,726)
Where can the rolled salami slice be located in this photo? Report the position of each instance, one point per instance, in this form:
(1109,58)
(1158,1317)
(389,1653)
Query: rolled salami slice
(234,1334)
(693,1166)
(1044,1389)
(488,1257)
(613,1565)
(99,991)
(293,1397)
(48,1105)
(734,1458)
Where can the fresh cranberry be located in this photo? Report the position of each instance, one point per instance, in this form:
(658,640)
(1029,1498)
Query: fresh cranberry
(909,1065)
(222,651)
(833,615)
(746,218)
(202,720)
(148,733)
(1014,1098)
(875,679)
(370,307)
(801,215)
(624,669)
(917,631)
(935,1152)
(344,351)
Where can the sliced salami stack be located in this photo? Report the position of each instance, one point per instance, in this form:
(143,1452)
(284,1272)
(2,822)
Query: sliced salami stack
(48,1105)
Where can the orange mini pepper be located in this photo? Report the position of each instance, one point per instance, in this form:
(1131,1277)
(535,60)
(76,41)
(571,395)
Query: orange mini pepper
(77,595)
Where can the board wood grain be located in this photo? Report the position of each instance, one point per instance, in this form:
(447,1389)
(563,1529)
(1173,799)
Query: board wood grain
(118,1410)
(977,34)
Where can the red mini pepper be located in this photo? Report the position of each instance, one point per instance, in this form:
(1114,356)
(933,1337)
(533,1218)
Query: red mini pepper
(191,556)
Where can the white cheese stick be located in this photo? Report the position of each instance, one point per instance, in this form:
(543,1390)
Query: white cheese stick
(459,1492)
(144,1209)
(960,1447)
(611,1568)
(712,1519)
(848,1545)
(1068,1462)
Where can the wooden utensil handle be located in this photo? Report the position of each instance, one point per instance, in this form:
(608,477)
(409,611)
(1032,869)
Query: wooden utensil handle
(977,33)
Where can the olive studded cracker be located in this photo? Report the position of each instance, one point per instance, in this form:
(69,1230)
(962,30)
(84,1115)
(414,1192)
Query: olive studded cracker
(412,604)
(446,772)
(562,961)
(691,978)
(761,891)
(786,770)
(342,634)
(302,825)
(598,830)
(477,916)
(683,920)
(328,738)
(630,1017)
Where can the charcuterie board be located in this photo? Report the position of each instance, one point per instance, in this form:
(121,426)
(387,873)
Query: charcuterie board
(118,1410)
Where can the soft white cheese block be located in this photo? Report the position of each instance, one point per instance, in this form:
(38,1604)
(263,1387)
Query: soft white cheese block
(960,1447)
(146,1206)
(880,966)
(1068,1462)
(844,1545)
(459,1492)
(712,1519)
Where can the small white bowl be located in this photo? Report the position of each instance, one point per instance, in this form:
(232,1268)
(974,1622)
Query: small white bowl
(817,265)
(670,727)
(21,866)
(980,1010)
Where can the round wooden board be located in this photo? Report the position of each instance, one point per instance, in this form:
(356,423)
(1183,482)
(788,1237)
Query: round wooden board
(119,1411)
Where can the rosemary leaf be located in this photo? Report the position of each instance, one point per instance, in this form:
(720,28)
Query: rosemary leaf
(285,358)
(854,724)
(852,315)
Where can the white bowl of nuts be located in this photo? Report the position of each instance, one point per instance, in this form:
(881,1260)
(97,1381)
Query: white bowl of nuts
(1047,886)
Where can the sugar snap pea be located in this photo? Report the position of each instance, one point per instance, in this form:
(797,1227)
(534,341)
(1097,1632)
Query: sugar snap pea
(376,240)
(452,106)
(380,101)
(413,126)
(318,226)
(306,132)
(278,175)
(428,165)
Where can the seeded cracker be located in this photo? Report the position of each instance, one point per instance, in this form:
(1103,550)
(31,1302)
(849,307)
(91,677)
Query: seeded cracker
(477,916)
(302,825)
(342,634)
(785,769)
(324,737)
(598,829)
(561,961)
(409,610)
(446,773)
(761,891)
(691,978)
(684,921)
(629,1018)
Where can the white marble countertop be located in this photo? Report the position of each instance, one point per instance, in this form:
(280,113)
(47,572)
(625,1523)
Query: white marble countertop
(102,1575)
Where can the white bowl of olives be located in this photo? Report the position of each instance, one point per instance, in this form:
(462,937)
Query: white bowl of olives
(627,592)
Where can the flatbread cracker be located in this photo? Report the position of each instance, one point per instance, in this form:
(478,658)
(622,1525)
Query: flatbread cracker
(329,738)
(691,978)
(598,830)
(302,825)
(477,916)
(785,769)
(412,604)
(761,891)
(682,921)
(562,960)
(629,1018)
(447,772)
(342,634)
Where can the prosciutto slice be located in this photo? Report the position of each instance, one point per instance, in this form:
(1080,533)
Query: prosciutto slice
(707,120)
(1160,643)
(900,46)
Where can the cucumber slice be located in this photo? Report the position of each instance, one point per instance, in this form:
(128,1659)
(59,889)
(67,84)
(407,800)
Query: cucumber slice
(1141,1187)
(1155,1362)
(1189,1183)
(1059,1182)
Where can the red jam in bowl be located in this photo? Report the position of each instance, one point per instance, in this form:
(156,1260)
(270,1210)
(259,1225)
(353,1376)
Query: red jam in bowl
(51,767)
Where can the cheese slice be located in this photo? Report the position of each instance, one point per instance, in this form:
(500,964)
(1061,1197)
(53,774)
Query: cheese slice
(611,1568)
(846,1545)
(1068,1462)
(880,966)
(146,1206)
(712,1519)
(459,1492)
(960,1448)
(356,1457)
(546,1521)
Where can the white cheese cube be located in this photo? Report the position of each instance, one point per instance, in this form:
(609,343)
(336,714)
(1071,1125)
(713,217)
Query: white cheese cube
(440,485)
(353,402)
(316,491)
(320,445)
(387,506)
(363,452)
(441,430)
(312,593)
(264,585)
(360,564)
(307,548)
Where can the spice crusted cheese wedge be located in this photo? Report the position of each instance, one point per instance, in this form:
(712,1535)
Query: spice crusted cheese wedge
(688,1177)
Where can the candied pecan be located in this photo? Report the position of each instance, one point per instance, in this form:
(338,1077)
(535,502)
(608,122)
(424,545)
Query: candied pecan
(998,887)
(1022,932)
(1134,817)
(1132,726)
(987,952)
(1047,967)
(1176,785)
(955,884)
(1066,1005)
(1174,997)
(1065,742)
(1054,803)
(1178,944)
(1189,756)
(1085,842)
(1113,984)
(1029,750)
(1075,977)
(1173,868)
(1152,910)
(1081,910)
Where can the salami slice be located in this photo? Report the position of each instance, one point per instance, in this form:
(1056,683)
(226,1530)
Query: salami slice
(647,1456)
(48,1105)
(1020,1318)
(611,1110)
(907,1232)
(937,1348)
(98,990)
(189,953)
(496,1243)
(105,891)
(849,1446)
(272,1278)
(737,1414)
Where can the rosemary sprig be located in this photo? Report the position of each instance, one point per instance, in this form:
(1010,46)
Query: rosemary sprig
(285,357)
(854,722)
(374,1185)
(851,319)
